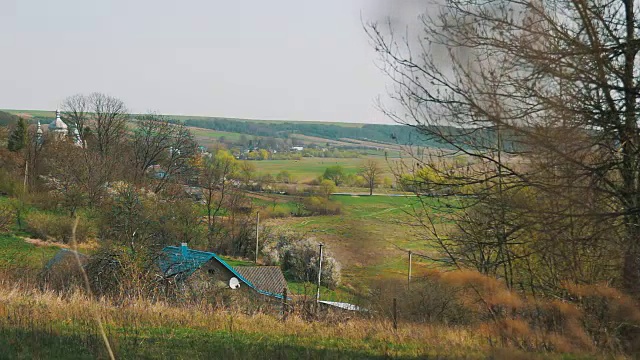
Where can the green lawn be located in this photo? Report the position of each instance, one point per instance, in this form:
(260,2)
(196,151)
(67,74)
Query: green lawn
(15,252)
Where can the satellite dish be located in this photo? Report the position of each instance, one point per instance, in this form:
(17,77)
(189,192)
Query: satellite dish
(234,283)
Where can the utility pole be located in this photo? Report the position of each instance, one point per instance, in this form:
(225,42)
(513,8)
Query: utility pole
(26,175)
(257,225)
(319,275)
(409,277)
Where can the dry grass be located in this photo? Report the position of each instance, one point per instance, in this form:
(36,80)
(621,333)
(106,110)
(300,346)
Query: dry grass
(137,327)
(62,315)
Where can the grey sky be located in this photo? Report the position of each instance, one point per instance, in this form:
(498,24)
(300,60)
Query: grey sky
(296,59)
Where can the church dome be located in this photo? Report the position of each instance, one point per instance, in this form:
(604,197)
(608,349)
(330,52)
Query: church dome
(57,124)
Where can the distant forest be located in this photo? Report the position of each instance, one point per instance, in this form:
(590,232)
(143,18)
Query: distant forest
(388,134)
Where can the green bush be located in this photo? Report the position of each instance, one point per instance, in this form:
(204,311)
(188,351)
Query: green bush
(7,217)
(57,227)
(321,206)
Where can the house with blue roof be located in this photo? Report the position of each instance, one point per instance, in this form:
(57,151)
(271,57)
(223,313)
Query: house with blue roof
(180,262)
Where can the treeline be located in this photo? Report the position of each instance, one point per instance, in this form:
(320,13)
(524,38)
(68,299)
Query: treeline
(387,134)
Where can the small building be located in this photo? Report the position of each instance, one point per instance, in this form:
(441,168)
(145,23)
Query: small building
(180,262)
(297,148)
(156,171)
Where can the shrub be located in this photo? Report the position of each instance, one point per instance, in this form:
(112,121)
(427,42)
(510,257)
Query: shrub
(57,227)
(320,206)
(326,188)
(427,301)
(298,258)
(7,217)
(117,271)
(274,213)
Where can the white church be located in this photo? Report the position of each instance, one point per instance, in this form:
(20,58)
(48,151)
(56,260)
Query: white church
(59,130)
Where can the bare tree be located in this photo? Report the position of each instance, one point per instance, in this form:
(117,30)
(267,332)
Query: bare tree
(215,181)
(371,171)
(497,80)
(247,171)
(76,111)
(109,116)
(156,141)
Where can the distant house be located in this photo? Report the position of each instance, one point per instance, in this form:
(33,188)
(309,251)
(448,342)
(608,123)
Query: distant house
(297,148)
(194,192)
(180,262)
(156,171)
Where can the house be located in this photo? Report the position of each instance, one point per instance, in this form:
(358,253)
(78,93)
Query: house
(180,262)
(297,148)
(194,192)
(156,171)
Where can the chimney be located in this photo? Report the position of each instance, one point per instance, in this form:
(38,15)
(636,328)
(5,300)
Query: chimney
(184,249)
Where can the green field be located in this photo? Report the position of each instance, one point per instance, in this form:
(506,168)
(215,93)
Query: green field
(307,169)
(207,138)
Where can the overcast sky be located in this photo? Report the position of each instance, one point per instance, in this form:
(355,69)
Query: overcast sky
(294,59)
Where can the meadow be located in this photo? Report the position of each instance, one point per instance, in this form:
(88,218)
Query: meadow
(306,169)
(369,237)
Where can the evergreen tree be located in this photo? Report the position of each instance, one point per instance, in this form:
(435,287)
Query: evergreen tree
(18,138)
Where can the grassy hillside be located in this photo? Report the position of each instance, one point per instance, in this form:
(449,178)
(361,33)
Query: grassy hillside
(381,134)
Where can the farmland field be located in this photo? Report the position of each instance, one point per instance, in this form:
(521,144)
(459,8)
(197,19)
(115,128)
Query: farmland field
(307,169)
(207,138)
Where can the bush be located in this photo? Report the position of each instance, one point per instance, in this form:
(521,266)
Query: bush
(428,301)
(298,258)
(274,213)
(320,206)
(117,271)
(57,227)
(7,217)
(326,188)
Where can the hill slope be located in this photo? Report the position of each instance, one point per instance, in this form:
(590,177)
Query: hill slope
(383,134)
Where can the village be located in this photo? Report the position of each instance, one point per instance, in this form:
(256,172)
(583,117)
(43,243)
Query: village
(356,179)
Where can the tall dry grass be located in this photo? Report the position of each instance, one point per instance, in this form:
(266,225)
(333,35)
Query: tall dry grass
(596,321)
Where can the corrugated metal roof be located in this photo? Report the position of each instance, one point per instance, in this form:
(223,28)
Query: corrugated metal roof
(341,305)
(182,261)
(266,278)
(176,261)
